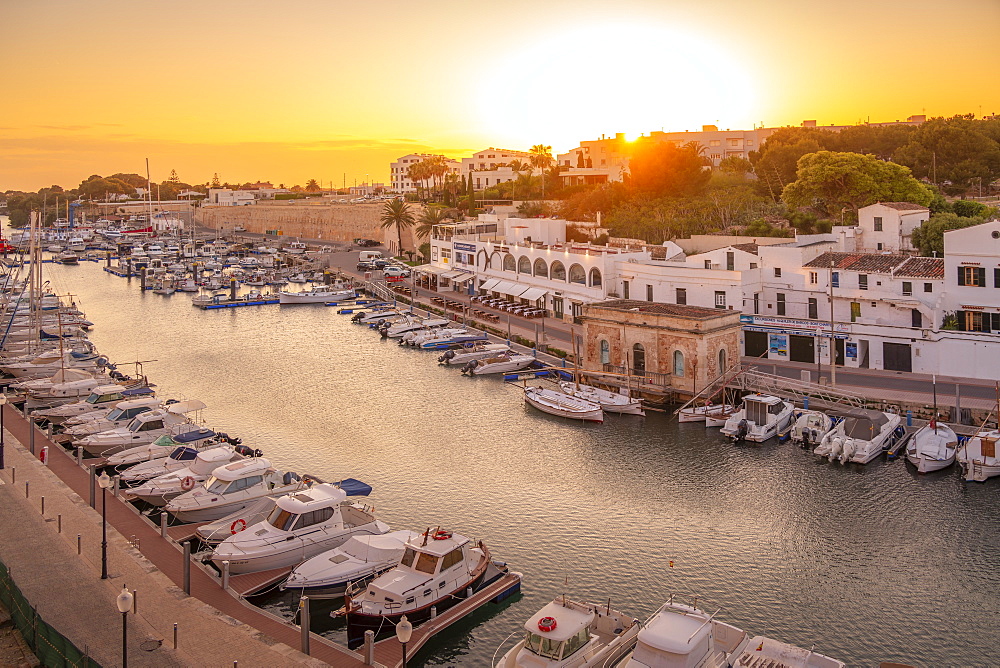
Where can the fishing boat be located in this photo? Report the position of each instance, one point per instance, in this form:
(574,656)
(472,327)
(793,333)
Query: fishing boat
(978,456)
(356,561)
(718,419)
(234,487)
(438,569)
(502,363)
(810,427)
(932,448)
(478,351)
(860,437)
(761,418)
(321,294)
(610,402)
(561,404)
(302,525)
(567,633)
(157,491)
(699,413)
(375,316)
(295,248)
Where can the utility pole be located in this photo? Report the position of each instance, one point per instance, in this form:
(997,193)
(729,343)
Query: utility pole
(833,340)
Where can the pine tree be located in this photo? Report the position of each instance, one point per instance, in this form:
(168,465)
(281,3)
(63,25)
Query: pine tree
(173,176)
(215,180)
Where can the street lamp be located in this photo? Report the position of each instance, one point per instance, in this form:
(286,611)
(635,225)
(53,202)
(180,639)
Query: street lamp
(3,400)
(124,602)
(403,632)
(104,480)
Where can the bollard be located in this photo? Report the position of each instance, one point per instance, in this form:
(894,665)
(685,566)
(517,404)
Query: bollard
(369,647)
(115,487)
(434,612)
(187,568)
(79,545)
(31,438)
(225,574)
(142,280)
(163,525)
(909,418)
(175,635)
(79,455)
(304,623)
(49,430)
(59,523)
(93,480)
(27,489)
(43,506)
(135,601)
(13,476)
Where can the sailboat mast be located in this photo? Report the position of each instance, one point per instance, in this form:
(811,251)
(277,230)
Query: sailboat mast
(934,390)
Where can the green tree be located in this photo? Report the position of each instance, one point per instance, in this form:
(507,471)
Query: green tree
(173,176)
(660,169)
(312,186)
(431,216)
(839,183)
(967,208)
(929,237)
(396,213)
(952,152)
(215,180)
(734,164)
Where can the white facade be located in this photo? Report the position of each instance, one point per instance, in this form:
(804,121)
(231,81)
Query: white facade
(398,170)
(227,197)
(888,226)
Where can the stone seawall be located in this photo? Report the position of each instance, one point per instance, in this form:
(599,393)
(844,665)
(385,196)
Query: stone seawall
(337,222)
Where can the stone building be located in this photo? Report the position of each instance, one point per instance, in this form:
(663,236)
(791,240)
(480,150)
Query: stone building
(687,345)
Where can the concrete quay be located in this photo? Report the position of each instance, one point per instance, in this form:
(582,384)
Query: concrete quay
(214,627)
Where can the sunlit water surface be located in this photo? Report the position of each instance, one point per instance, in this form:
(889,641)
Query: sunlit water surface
(867,563)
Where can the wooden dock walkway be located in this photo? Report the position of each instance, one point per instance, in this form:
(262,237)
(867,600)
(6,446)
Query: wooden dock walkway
(247,584)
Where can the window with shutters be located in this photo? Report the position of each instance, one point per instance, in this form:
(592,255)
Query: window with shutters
(624,289)
(835,278)
(862,281)
(972,277)
(996,277)
(813,278)
(855,311)
(605,352)
(974,321)
(916,320)
(813,309)
(781,303)
(878,223)
(929,287)
(682,296)
(720,299)
(649,293)
(730,261)
(777,272)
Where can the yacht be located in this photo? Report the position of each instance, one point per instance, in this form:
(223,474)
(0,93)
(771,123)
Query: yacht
(932,448)
(302,525)
(234,487)
(100,398)
(359,559)
(568,633)
(561,404)
(978,456)
(761,418)
(610,402)
(77,245)
(810,427)
(476,351)
(860,437)
(68,257)
(438,569)
(197,440)
(121,414)
(144,428)
(157,491)
(502,363)
(321,294)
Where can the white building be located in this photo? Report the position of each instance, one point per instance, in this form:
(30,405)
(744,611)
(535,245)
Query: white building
(399,170)
(888,226)
(492,166)
(227,197)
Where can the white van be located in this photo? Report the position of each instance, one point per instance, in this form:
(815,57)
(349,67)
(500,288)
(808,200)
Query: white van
(369,256)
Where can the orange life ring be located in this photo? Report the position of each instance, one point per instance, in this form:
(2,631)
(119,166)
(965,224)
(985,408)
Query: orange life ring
(441,534)
(241,523)
(187,484)
(547,624)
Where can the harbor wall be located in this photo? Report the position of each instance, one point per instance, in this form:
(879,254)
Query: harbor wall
(339,222)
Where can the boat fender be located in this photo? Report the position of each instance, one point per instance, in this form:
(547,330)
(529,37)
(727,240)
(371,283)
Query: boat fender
(442,534)
(187,484)
(237,526)
(547,624)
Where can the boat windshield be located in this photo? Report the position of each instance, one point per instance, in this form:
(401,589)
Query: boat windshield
(544,647)
(116,414)
(426,563)
(281,519)
(216,486)
(92,399)
(408,556)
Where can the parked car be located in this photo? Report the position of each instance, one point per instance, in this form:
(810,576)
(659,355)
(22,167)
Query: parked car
(380,263)
(396,272)
(364,265)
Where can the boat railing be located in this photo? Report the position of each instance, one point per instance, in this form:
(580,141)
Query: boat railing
(493,661)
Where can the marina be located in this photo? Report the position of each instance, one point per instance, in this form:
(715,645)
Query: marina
(732,527)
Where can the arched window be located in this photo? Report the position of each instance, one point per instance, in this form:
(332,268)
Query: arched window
(595,278)
(558,271)
(638,360)
(678,364)
(524,265)
(482,259)
(509,263)
(605,352)
(577,275)
(541,269)
(722,360)
(494,260)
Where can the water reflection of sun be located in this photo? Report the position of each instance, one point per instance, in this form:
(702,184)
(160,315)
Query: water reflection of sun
(620,77)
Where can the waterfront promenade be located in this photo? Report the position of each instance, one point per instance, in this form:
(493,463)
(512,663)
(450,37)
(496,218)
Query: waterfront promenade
(214,628)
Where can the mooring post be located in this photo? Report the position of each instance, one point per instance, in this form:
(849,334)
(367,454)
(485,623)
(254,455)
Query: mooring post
(59,523)
(142,280)
(225,574)
(163,525)
(175,635)
(93,479)
(304,623)
(79,455)
(187,568)
(369,652)
(116,480)
(79,545)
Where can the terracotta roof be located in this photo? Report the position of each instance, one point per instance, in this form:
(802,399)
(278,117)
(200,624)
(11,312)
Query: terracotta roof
(904,206)
(922,267)
(749,248)
(875,263)
(659,308)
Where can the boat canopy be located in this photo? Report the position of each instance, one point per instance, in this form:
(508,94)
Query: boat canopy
(568,622)
(186,406)
(320,496)
(137,392)
(242,469)
(196,435)
(183,454)
(377,547)
(353,487)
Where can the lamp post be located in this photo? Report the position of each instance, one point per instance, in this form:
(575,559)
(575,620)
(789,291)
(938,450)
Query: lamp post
(104,480)
(404,629)
(124,602)
(3,401)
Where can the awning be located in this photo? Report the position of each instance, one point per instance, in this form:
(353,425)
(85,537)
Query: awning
(518,290)
(430,269)
(488,285)
(455,273)
(504,287)
(534,293)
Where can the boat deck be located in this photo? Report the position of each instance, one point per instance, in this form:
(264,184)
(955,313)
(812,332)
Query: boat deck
(251,583)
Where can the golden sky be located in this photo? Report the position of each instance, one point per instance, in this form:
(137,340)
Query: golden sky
(335,91)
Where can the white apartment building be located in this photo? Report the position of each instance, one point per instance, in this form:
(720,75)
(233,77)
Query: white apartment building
(888,226)
(227,197)
(492,166)
(399,179)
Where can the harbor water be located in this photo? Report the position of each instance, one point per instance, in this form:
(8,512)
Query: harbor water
(866,563)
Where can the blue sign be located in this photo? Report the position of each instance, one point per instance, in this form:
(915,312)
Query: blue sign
(465,247)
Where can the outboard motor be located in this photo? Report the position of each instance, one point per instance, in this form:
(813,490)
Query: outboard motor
(470,366)
(805,437)
(448,355)
(357,316)
(290,477)
(244,450)
(742,429)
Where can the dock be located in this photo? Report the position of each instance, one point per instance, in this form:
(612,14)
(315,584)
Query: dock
(237,303)
(248,584)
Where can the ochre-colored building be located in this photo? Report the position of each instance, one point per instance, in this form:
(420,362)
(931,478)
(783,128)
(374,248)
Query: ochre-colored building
(684,347)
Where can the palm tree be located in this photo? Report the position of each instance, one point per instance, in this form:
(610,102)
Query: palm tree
(541,157)
(432,215)
(312,186)
(396,213)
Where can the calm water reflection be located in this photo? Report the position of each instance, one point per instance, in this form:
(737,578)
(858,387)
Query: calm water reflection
(868,563)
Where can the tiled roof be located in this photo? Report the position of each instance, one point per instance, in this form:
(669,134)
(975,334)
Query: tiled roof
(904,206)
(922,267)
(749,248)
(874,263)
(658,308)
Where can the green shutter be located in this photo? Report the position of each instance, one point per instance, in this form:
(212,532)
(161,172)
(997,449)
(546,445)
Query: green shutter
(960,316)
(996,277)
(961,276)
(981,276)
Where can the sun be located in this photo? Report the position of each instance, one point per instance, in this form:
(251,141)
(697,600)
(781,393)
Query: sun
(612,78)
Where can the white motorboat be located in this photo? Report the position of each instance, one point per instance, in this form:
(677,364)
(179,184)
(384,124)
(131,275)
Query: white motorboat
(216,531)
(438,569)
(360,558)
(932,448)
(120,415)
(321,294)
(810,427)
(302,525)
(77,245)
(68,257)
(100,399)
(568,633)
(298,278)
(410,324)
(476,351)
(144,428)
(232,488)
(53,361)
(157,491)
(718,419)
(502,363)
(860,437)
(561,404)
(978,456)
(699,413)
(155,453)
(610,402)
(761,651)
(295,248)
(417,338)
(761,418)
(375,316)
